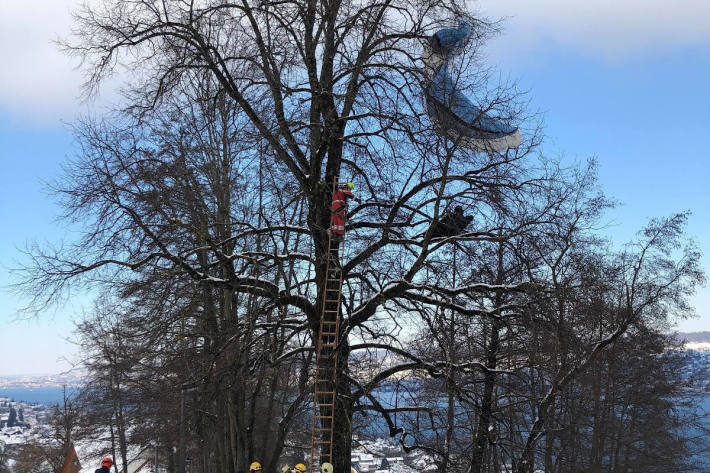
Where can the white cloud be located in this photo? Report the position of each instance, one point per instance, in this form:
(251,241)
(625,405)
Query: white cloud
(610,29)
(37,81)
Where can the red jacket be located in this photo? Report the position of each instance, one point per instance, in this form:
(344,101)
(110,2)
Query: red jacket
(337,210)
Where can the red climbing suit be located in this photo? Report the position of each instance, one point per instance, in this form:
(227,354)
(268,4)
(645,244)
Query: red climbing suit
(337,210)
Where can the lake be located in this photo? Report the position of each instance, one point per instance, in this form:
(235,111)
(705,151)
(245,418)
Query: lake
(48,395)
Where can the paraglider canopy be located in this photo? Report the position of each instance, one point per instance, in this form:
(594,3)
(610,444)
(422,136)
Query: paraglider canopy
(457,116)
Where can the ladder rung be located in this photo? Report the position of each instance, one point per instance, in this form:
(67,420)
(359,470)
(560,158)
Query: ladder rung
(324,417)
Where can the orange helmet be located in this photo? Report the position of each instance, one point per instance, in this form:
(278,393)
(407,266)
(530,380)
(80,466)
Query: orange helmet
(107,461)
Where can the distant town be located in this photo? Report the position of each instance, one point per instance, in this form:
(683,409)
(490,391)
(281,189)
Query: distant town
(75,377)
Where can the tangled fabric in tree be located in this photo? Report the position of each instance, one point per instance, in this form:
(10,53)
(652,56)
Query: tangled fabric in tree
(456,116)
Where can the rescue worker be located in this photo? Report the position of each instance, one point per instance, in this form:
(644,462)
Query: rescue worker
(254,467)
(451,224)
(338,208)
(461,221)
(105,465)
(299,468)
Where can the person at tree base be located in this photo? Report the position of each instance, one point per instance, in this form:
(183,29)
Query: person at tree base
(451,224)
(105,465)
(299,468)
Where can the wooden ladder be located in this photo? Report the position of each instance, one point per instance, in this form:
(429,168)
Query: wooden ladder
(324,386)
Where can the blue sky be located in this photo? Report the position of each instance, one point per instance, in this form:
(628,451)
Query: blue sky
(625,81)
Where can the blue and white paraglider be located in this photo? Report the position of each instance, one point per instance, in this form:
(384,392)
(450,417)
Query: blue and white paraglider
(453,113)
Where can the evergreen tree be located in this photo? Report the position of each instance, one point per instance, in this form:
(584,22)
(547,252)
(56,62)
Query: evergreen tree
(21,415)
(12,419)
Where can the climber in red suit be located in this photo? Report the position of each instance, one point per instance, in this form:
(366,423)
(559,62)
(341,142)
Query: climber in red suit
(338,208)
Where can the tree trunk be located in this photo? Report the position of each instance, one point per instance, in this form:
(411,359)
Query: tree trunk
(342,423)
(482,438)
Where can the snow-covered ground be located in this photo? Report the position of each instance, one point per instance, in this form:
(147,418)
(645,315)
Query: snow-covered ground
(383,456)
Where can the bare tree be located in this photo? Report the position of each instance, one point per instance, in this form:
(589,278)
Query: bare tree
(204,205)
